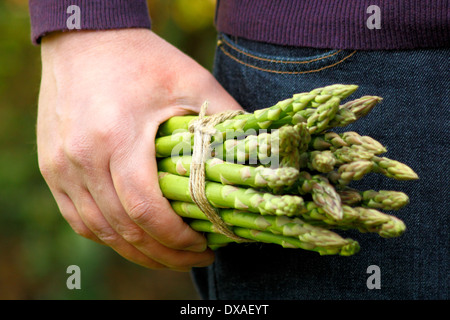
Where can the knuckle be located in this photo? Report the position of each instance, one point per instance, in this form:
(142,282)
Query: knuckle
(140,212)
(51,165)
(98,227)
(83,232)
(107,236)
(111,133)
(78,150)
(134,236)
(179,242)
(46,169)
(107,133)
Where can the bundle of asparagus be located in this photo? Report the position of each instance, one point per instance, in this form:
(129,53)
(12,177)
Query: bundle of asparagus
(282,175)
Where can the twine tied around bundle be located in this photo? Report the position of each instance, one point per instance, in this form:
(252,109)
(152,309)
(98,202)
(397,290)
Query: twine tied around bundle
(203,129)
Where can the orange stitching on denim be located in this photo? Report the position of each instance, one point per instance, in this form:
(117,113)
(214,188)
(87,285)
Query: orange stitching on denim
(283,72)
(277,61)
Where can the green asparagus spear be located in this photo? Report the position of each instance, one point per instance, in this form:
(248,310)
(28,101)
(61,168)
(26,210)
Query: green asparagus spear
(232,173)
(362,219)
(292,227)
(279,148)
(321,161)
(325,196)
(352,138)
(357,169)
(320,118)
(393,169)
(344,247)
(325,161)
(354,110)
(381,200)
(176,187)
(322,193)
(348,172)
(327,141)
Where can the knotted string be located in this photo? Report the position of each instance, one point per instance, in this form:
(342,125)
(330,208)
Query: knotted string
(203,129)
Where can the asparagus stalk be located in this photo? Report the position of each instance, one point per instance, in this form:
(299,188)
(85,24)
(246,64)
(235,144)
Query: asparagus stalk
(321,161)
(322,193)
(292,227)
(374,221)
(176,187)
(326,160)
(348,172)
(178,143)
(393,169)
(254,146)
(362,106)
(354,110)
(229,173)
(352,138)
(279,148)
(381,200)
(258,147)
(363,219)
(356,170)
(322,115)
(327,141)
(344,247)
(325,196)
(252,150)
(351,154)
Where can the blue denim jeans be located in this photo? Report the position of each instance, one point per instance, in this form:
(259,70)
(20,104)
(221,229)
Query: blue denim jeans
(412,122)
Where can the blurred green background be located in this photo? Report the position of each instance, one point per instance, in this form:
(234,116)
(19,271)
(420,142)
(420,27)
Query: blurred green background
(36,244)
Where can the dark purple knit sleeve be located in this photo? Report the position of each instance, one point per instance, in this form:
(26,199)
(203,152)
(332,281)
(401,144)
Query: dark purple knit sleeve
(52,15)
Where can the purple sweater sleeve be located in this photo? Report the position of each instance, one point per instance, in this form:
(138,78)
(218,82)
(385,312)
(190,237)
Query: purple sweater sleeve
(52,15)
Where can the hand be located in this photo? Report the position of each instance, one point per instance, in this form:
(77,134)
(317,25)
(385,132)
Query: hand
(103,95)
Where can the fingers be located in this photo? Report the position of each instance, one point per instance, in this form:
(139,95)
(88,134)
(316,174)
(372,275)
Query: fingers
(88,201)
(87,221)
(135,179)
(108,203)
(70,214)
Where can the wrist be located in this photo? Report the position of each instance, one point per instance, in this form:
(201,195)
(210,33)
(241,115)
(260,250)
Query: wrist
(86,41)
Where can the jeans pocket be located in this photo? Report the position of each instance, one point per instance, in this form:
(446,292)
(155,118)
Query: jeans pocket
(279,59)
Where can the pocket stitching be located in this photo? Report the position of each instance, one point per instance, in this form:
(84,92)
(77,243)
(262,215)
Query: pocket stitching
(276,61)
(286,72)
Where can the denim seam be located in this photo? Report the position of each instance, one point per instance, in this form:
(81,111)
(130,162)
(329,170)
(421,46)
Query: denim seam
(228,54)
(276,61)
